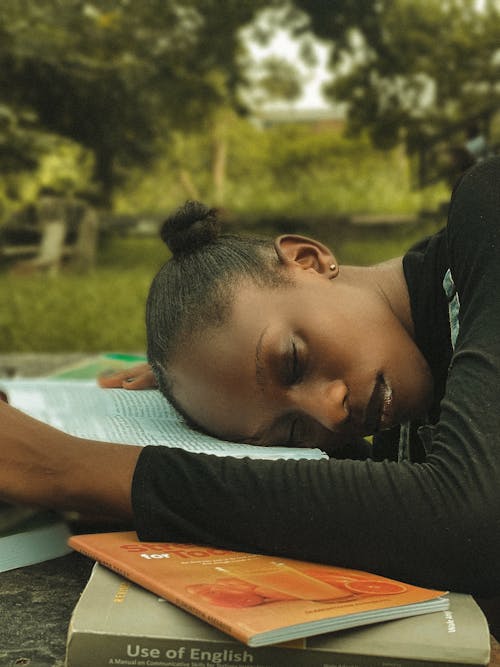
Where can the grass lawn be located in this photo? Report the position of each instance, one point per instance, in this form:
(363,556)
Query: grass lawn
(104,310)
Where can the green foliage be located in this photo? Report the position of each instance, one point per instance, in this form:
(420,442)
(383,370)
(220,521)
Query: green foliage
(124,79)
(100,311)
(409,68)
(19,142)
(67,167)
(114,76)
(62,164)
(367,245)
(293,170)
(274,79)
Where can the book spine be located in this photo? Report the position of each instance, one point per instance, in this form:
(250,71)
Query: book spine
(101,650)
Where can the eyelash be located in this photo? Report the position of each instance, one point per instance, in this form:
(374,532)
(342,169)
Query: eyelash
(293,425)
(296,370)
(295,376)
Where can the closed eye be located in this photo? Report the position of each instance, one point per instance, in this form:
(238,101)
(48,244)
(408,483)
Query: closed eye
(300,432)
(293,428)
(294,365)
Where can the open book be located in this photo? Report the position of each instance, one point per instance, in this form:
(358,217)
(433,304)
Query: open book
(83,409)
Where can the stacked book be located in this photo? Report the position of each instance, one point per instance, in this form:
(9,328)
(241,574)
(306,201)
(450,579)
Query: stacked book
(181,605)
(117,622)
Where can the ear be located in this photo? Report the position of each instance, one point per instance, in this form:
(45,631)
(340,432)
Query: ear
(306,253)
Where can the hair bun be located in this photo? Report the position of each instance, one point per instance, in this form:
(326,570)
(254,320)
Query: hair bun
(190,227)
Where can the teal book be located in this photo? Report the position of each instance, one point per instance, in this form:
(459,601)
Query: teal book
(30,536)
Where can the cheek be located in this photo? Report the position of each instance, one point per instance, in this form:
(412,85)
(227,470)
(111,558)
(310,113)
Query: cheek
(357,332)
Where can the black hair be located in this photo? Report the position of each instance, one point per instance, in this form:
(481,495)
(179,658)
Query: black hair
(194,289)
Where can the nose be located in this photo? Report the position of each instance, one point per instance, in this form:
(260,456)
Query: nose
(327,402)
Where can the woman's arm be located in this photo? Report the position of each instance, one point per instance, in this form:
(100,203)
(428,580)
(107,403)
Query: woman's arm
(42,466)
(435,523)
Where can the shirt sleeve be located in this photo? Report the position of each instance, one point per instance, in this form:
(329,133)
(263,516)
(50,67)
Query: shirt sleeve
(435,523)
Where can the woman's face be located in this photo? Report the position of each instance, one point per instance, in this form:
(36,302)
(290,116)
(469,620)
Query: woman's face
(308,364)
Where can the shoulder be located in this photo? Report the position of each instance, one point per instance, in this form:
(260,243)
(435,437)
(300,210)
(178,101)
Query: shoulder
(475,199)
(473,231)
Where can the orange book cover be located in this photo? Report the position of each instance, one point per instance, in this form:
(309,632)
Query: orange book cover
(258,599)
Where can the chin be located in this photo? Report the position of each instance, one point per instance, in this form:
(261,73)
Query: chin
(419,396)
(418,410)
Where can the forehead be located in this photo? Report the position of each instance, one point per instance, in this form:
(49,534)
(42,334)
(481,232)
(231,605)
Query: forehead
(214,373)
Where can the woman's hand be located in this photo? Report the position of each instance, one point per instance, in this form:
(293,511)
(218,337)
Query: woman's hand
(136,377)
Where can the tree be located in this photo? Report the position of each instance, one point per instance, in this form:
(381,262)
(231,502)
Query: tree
(409,70)
(114,75)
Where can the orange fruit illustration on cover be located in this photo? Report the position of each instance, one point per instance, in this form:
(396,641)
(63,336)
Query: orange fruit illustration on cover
(357,583)
(278,582)
(269,593)
(234,592)
(223,595)
(375,587)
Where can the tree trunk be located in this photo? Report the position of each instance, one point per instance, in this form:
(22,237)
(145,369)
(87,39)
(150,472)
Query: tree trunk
(85,250)
(104,174)
(219,156)
(188,185)
(219,169)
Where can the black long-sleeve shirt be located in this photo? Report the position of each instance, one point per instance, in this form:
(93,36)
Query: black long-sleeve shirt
(433,520)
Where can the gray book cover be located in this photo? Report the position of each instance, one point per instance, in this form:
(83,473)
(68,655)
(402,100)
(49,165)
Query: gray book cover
(118,623)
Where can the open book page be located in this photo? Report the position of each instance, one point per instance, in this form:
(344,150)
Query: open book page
(86,410)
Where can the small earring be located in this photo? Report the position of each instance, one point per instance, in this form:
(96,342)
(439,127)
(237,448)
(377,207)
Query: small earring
(333,267)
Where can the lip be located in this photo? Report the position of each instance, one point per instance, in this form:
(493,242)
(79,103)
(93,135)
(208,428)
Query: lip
(378,412)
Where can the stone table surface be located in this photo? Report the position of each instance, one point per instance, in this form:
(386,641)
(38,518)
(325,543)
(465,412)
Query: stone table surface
(36,601)
(35,608)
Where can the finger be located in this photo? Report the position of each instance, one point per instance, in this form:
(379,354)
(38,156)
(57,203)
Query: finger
(112,379)
(117,378)
(145,380)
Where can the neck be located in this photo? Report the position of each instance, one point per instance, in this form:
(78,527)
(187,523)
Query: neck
(387,281)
